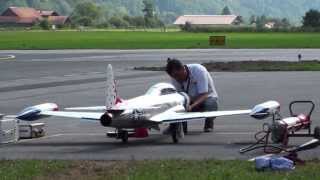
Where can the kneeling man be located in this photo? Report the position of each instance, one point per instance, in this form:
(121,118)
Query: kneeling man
(196,81)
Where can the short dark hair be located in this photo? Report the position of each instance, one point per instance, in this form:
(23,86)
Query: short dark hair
(173,65)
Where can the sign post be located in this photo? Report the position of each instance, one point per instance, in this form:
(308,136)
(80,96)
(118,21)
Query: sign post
(217,40)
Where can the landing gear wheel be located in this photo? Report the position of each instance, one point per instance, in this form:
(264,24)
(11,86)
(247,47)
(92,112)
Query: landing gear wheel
(185,127)
(174,132)
(177,132)
(123,135)
(316,132)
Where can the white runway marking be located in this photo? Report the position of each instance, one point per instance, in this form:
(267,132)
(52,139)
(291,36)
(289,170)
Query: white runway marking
(76,59)
(8,57)
(61,134)
(70,75)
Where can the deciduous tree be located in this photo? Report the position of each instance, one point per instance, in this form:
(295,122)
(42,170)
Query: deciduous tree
(311,19)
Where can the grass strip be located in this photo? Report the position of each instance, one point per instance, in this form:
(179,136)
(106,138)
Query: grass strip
(146,170)
(252,66)
(150,40)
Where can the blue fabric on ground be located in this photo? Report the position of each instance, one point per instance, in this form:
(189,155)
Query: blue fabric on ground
(281,164)
(262,163)
(274,163)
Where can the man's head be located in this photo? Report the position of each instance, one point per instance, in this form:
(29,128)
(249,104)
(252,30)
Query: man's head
(176,70)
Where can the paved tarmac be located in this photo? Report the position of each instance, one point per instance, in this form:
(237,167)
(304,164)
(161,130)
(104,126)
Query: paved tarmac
(59,76)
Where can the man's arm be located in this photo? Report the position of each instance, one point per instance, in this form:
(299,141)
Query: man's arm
(202,86)
(200,99)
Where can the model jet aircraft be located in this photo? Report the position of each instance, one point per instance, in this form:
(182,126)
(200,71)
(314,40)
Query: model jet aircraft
(161,104)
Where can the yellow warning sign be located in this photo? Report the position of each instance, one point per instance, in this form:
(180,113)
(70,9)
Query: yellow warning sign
(217,40)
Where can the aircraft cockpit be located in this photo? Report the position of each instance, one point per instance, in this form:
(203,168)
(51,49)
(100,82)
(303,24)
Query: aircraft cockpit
(161,89)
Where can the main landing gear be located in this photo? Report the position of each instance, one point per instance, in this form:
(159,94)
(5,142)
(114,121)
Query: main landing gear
(125,134)
(119,134)
(177,131)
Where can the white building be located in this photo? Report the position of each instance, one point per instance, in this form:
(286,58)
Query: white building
(211,20)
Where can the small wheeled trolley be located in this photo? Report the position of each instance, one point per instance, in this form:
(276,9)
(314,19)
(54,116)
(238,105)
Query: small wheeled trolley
(275,136)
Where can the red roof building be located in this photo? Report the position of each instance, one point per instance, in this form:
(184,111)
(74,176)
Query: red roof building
(26,16)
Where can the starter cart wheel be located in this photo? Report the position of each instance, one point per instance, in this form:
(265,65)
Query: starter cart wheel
(316,132)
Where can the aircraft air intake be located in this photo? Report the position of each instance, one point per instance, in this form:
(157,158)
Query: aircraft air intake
(106,119)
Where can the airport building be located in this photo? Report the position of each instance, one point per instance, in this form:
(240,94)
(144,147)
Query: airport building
(25,16)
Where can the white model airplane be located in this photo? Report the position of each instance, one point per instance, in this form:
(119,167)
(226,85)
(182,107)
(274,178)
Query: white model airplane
(161,104)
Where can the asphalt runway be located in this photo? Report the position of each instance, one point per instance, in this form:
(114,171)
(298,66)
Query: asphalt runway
(72,78)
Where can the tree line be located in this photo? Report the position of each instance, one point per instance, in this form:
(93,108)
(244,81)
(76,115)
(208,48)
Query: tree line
(89,14)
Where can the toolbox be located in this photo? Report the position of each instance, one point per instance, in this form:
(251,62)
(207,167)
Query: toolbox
(28,131)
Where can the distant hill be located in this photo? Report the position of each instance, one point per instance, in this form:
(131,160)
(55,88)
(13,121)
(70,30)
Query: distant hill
(169,9)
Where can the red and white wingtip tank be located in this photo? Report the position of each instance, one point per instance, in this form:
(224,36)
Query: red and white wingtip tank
(264,110)
(34,112)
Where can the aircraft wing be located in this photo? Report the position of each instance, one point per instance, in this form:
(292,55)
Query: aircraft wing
(91,108)
(173,117)
(103,108)
(79,115)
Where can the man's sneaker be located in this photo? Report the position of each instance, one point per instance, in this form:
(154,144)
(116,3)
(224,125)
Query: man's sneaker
(207,130)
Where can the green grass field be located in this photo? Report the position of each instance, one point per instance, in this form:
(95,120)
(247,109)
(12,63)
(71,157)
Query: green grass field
(251,66)
(151,40)
(146,170)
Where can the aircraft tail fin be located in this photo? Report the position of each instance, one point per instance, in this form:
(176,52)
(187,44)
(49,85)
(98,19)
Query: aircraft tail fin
(111,91)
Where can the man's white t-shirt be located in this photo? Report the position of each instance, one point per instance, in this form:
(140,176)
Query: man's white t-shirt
(200,81)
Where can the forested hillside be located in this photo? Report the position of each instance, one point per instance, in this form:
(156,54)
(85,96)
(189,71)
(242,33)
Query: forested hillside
(169,9)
